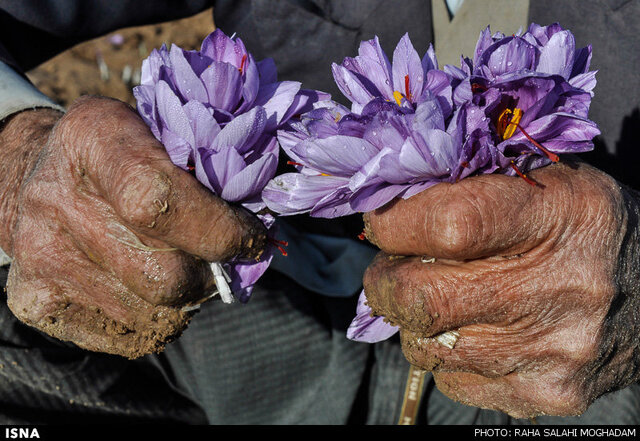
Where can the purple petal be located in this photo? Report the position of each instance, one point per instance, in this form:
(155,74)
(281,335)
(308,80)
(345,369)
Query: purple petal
(276,98)
(375,196)
(245,275)
(366,328)
(224,85)
(146,106)
(268,71)
(581,61)
(407,63)
(337,155)
(177,148)
(556,57)
(429,61)
(295,193)
(350,85)
(221,48)
(171,112)
(243,132)
(484,41)
(216,169)
(251,180)
(204,126)
(511,54)
(187,82)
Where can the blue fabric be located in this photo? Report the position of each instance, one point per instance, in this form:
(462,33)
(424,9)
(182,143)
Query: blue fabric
(331,266)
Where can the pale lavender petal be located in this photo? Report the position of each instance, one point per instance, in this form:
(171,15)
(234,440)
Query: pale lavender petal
(171,112)
(177,148)
(276,98)
(335,204)
(250,180)
(368,328)
(337,155)
(187,82)
(407,63)
(251,84)
(223,82)
(375,196)
(429,61)
(244,275)
(215,169)
(242,132)
(350,85)
(511,54)
(585,81)
(556,57)
(295,193)
(146,106)
(304,102)
(219,47)
(204,126)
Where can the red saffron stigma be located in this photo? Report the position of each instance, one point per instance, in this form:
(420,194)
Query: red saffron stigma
(464,164)
(552,156)
(244,59)
(295,163)
(522,175)
(280,244)
(362,236)
(407,92)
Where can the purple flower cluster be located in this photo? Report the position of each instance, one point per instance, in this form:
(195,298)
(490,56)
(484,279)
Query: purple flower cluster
(216,111)
(519,103)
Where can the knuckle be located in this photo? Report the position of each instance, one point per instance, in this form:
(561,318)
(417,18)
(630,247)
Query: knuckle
(142,195)
(456,225)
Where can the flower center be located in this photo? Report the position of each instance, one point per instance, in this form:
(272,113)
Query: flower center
(509,121)
(407,92)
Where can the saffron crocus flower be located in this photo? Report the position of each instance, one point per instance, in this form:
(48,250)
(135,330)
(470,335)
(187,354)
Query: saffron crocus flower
(216,111)
(408,80)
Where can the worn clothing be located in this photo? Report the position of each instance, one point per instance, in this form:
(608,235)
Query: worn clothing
(283,358)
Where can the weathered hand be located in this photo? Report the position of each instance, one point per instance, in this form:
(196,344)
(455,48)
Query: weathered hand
(109,239)
(541,283)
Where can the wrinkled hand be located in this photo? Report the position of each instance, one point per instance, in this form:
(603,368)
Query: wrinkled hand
(109,239)
(541,283)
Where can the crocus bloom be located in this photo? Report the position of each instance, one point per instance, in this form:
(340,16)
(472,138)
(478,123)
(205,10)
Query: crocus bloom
(408,80)
(519,103)
(216,111)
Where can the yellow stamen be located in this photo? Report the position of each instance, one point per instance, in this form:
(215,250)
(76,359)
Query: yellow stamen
(508,122)
(398,96)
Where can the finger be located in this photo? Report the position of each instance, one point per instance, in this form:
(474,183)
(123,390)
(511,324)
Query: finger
(430,298)
(476,217)
(89,307)
(150,268)
(131,169)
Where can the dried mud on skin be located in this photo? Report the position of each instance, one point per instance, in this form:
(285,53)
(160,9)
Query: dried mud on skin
(110,66)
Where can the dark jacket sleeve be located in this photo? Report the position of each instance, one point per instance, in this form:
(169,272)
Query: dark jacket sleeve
(32,31)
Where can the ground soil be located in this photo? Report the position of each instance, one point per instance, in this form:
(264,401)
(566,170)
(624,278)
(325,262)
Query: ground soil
(110,65)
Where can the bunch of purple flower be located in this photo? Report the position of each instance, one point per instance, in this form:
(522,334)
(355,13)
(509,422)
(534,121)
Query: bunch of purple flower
(520,102)
(216,111)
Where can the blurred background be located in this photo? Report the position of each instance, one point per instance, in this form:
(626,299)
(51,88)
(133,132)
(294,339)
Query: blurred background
(110,65)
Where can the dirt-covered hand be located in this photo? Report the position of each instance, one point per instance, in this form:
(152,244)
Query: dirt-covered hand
(109,239)
(540,283)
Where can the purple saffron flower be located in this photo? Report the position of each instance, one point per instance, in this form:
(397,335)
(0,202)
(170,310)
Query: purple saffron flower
(520,103)
(407,81)
(216,111)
